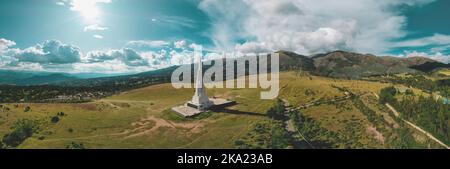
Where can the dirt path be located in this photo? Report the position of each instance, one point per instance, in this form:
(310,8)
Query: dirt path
(152,123)
(379,136)
(143,127)
(149,124)
(429,135)
(289,126)
(393,110)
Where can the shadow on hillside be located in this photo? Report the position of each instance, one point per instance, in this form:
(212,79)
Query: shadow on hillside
(237,112)
(317,145)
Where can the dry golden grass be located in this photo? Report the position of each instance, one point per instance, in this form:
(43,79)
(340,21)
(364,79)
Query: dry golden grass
(135,119)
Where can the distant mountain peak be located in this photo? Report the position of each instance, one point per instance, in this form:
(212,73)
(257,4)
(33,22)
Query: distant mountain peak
(355,65)
(334,64)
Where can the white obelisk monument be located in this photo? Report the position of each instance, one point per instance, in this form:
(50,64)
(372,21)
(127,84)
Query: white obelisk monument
(200,99)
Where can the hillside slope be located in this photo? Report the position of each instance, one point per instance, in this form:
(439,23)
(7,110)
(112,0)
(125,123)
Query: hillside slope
(141,118)
(353,65)
(25,78)
(335,64)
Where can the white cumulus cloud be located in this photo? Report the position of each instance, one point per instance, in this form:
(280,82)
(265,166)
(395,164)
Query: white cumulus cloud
(307,26)
(5,44)
(98,36)
(180,44)
(436,39)
(83,5)
(148,43)
(126,55)
(438,56)
(49,52)
(95,27)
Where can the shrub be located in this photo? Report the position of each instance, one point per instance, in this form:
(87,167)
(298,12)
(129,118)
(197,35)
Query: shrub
(239,142)
(61,114)
(265,135)
(27,109)
(387,95)
(280,138)
(74,145)
(21,130)
(55,119)
(277,112)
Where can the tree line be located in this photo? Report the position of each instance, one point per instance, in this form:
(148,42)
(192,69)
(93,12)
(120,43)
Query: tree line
(431,114)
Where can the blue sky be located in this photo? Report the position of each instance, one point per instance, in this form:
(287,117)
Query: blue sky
(119,36)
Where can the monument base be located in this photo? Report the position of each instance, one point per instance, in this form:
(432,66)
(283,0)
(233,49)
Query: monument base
(200,107)
(190,109)
(186,111)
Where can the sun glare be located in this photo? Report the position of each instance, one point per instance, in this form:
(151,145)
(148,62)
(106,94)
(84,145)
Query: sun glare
(90,13)
(87,9)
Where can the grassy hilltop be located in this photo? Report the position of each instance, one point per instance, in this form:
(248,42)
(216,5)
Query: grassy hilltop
(142,118)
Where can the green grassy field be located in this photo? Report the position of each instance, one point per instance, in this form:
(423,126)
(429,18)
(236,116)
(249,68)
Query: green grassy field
(142,118)
(445,72)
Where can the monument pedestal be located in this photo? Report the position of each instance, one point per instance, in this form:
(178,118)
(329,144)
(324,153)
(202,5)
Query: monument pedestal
(190,109)
(203,106)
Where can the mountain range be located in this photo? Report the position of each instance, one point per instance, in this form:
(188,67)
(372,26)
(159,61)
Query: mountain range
(338,64)
(341,64)
(27,78)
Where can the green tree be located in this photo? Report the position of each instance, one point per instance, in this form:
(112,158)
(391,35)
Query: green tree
(387,95)
(279,138)
(21,130)
(277,111)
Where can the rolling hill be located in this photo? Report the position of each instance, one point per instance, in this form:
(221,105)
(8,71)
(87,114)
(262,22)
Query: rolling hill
(354,65)
(431,66)
(26,78)
(133,111)
(141,118)
(338,64)
(69,88)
